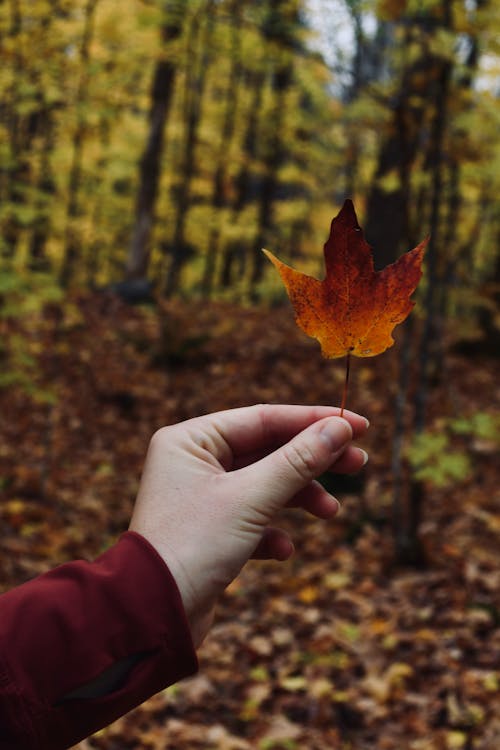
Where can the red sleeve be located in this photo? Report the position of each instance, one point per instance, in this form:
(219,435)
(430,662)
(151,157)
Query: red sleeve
(64,628)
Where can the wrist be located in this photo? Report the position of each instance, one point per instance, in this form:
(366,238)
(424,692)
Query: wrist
(199,612)
(198,615)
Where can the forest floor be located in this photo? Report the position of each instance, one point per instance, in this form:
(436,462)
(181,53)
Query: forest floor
(338,648)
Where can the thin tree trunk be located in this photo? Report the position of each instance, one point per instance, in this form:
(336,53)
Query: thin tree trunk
(275,157)
(432,270)
(436,162)
(367,66)
(16,173)
(399,521)
(399,498)
(449,242)
(387,224)
(150,164)
(195,88)
(72,238)
(235,252)
(46,190)
(227,133)
(280,22)
(488,315)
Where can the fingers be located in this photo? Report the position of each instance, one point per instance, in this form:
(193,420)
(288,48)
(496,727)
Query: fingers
(315,500)
(267,426)
(275,544)
(278,477)
(351,461)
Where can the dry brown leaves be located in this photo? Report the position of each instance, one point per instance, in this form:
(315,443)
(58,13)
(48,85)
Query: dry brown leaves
(336,649)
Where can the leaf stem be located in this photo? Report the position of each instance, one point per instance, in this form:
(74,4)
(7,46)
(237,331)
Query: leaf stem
(346,383)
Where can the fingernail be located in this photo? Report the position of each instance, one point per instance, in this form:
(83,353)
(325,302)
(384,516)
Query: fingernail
(367,422)
(365,455)
(337,432)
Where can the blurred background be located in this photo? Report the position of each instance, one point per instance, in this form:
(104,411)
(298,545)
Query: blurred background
(148,151)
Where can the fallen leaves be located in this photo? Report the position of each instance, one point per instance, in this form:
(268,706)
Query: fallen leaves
(312,654)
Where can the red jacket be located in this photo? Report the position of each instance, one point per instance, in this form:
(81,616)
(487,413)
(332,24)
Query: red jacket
(62,630)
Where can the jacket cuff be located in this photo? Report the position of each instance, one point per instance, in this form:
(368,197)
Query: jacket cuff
(60,631)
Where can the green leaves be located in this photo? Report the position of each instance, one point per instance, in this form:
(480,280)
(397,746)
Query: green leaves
(444,457)
(432,460)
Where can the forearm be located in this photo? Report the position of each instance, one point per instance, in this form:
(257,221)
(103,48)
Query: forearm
(85,643)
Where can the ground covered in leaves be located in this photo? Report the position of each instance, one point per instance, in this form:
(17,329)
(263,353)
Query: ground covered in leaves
(337,649)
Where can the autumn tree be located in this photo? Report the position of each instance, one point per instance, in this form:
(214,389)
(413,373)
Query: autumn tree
(219,198)
(200,54)
(253,78)
(72,243)
(222,125)
(162,87)
(281,32)
(26,125)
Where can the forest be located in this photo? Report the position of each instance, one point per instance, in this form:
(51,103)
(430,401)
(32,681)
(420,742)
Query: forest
(149,151)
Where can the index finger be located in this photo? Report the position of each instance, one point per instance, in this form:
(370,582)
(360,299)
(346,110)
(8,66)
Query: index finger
(253,428)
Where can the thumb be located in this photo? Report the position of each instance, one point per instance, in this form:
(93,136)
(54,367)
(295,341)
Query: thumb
(279,476)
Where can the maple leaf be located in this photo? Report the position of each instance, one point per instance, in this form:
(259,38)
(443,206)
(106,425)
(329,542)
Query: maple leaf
(355,308)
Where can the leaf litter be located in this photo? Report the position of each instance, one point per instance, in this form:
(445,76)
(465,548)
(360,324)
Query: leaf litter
(335,649)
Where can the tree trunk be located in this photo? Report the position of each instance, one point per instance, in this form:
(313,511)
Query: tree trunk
(387,224)
(235,252)
(227,133)
(399,520)
(72,238)
(46,190)
(435,161)
(489,315)
(10,174)
(368,63)
(195,87)
(391,228)
(150,164)
(280,28)
(22,129)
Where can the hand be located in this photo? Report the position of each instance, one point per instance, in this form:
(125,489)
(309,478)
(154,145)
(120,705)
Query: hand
(212,486)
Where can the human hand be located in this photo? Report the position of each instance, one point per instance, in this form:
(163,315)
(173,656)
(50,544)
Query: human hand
(212,486)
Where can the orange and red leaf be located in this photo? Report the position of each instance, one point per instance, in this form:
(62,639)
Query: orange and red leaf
(355,308)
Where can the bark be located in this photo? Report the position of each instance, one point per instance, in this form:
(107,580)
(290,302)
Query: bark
(72,239)
(227,133)
(280,28)
(399,521)
(276,154)
(490,314)
(390,227)
(46,184)
(387,223)
(367,66)
(46,190)
(448,262)
(235,254)
(195,87)
(435,161)
(21,131)
(437,266)
(162,89)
